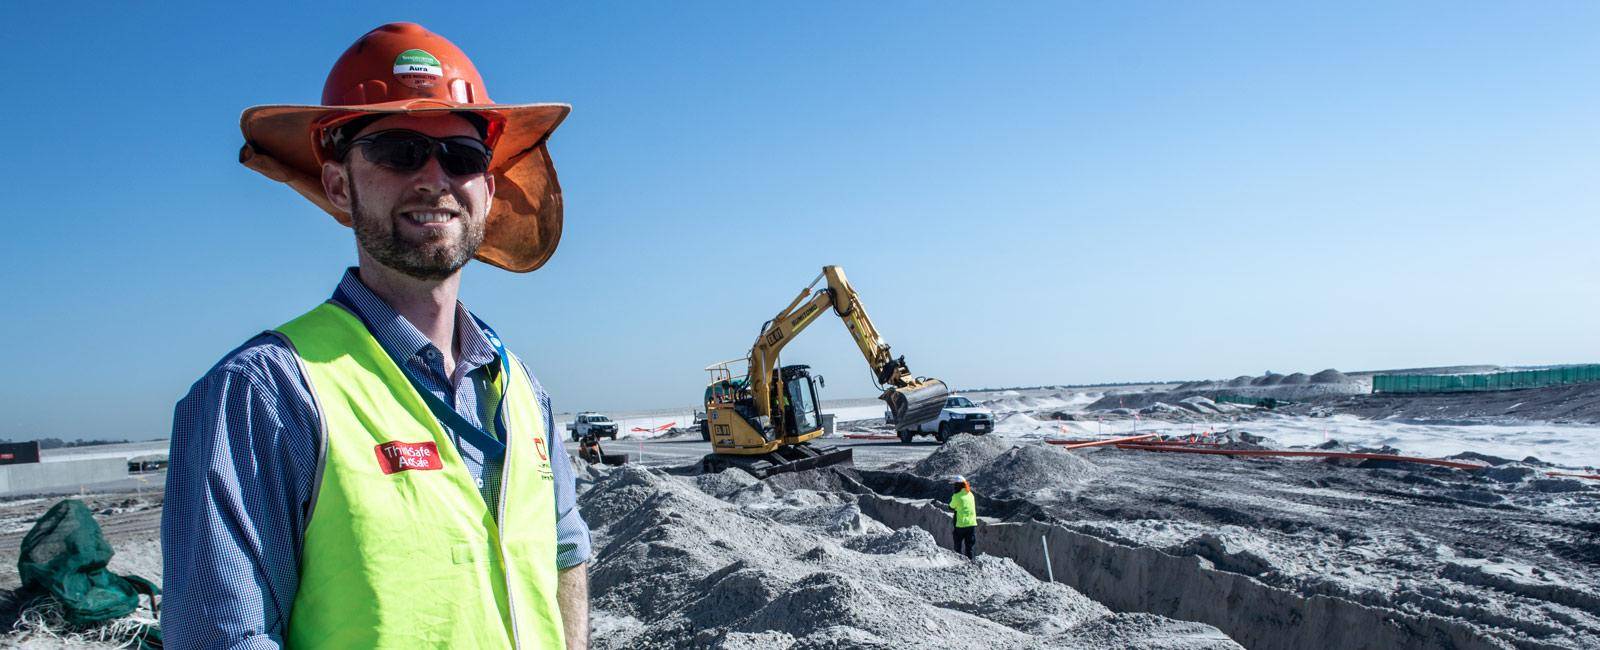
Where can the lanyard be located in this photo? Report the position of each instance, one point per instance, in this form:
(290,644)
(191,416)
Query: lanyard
(448,418)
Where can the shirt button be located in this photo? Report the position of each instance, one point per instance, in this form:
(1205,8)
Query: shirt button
(431,353)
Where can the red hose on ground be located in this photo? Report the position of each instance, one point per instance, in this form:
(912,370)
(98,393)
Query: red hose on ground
(1072,444)
(1181,443)
(871,436)
(1304,454)
(1587,476)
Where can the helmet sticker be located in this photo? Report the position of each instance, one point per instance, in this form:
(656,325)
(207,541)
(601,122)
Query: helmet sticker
(417,69)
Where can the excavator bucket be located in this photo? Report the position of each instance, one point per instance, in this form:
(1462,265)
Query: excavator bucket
(917,403)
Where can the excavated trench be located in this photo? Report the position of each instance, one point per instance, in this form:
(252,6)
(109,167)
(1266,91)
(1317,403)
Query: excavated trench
(1185,587)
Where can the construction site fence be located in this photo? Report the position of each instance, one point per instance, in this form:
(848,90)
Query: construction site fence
(1511,380)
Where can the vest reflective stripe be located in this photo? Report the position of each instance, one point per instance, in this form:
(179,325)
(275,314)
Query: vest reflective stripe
(413,558)
(966,508)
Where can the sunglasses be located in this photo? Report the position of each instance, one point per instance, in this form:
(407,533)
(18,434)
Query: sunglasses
(407,151)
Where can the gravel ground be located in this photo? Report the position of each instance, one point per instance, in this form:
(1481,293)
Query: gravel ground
(1575,403)
(1508,554)
(1330,391)
(1500,558)
(724,561)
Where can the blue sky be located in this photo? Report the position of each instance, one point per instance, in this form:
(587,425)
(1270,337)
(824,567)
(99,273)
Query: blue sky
(1024,194)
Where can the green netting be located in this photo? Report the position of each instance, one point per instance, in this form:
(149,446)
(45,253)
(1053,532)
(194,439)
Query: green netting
(1511,380)
(64,556)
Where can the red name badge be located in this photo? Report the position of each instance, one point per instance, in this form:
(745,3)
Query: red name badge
(401,456)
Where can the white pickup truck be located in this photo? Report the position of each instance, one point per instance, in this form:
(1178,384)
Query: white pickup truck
(959,415)
(590,422)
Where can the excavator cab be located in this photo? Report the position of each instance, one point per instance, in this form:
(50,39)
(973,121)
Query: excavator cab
(764,446)
(802,409)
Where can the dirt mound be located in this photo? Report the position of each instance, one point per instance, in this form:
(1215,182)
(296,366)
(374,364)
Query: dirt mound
(1201,405)
(1295,379)
(1330,376)
(677,567)
(1240,381)
(1561,404)
(1033,468)
(1269,379)
(727,485)
(1017,423)
(961,455)
(1484,458)
(1159,408)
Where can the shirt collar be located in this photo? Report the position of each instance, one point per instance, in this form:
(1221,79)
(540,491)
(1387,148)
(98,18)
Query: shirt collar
(399,336)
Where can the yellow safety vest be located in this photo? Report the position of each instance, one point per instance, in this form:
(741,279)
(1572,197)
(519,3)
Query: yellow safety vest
(401,551)
(966,508)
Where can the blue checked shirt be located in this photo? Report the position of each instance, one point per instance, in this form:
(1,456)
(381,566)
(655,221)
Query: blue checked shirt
(243,464)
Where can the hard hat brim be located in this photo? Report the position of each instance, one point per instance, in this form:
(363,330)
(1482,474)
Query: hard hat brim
(524,224)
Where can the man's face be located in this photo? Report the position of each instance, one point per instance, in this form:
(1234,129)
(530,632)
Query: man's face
(425,223)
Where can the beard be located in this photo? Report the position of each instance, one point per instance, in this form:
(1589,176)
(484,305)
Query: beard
(431,258)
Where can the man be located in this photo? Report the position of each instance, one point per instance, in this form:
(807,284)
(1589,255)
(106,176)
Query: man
(966,517)
(589,449)
(380,471)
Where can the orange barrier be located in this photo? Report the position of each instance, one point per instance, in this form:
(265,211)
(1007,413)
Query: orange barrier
(1304,454)
(1587,476)
(1070,444)
(1181,443)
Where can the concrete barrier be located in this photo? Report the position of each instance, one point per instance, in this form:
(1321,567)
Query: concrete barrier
(1139,579)
(36,477)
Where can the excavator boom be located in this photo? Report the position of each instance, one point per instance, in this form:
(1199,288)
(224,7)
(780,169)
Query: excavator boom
(761,422)
(912,400)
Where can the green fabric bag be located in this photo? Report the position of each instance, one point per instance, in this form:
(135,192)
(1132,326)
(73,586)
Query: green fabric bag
(64,555)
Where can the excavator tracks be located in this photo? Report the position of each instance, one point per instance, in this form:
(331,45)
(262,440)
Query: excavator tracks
(792,458)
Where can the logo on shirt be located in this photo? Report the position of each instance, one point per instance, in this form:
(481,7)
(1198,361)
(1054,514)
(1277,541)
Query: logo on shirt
(401,456)
(538,444)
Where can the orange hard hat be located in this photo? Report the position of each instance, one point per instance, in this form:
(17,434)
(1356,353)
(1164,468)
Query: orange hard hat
(404,68)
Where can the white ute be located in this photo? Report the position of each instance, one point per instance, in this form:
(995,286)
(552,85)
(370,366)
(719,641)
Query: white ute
(590,422)
(959,415)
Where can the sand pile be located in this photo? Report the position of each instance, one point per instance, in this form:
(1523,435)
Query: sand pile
(1269,379)
(1033,468)
(1017,423)
(1025,403)
(961,455)
(999,468)
(1159,408)
(677,567)
(1330,376)
(1243,440)
(1203,405)
(1293,387)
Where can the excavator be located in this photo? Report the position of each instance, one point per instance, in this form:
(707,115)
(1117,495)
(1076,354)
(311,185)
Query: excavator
(763,421)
